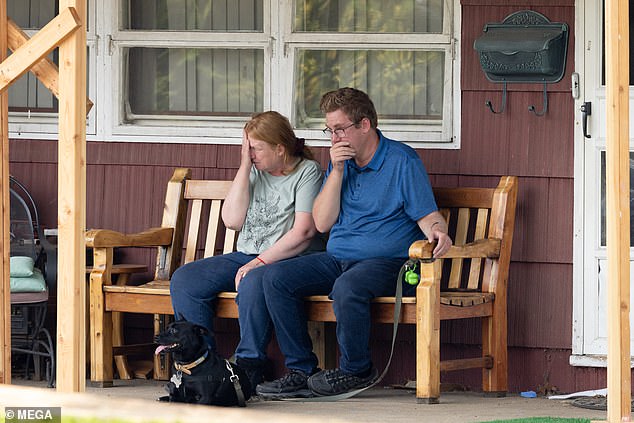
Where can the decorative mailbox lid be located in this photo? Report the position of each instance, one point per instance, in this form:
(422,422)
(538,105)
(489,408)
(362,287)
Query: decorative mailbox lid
(525,47)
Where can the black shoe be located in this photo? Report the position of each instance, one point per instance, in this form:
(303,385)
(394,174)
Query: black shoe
(292,385)
(335,382)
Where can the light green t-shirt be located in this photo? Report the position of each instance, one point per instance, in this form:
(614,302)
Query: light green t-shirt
(274,202)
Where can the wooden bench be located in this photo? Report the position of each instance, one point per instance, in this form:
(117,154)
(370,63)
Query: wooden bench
(122,272)
(470,282)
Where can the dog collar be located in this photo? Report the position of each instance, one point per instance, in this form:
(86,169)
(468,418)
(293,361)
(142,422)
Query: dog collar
(185,367)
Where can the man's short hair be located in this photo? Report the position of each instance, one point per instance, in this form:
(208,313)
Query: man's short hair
(355,104)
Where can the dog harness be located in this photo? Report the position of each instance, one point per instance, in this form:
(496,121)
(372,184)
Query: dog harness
(185,368)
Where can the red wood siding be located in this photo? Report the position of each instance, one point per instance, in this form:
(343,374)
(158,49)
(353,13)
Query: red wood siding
(126,181)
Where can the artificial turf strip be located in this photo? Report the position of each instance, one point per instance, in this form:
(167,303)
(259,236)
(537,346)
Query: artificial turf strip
(541,420)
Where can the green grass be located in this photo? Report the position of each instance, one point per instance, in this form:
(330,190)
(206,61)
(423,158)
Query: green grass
(541,420)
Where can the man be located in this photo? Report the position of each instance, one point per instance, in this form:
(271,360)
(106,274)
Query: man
(376,200)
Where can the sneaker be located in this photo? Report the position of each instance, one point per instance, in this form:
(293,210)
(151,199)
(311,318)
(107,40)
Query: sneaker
(292,385)
(335,382)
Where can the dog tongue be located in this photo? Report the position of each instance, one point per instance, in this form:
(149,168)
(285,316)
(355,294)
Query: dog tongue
(159,349)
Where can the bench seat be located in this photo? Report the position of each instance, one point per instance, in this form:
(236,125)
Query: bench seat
(319,307)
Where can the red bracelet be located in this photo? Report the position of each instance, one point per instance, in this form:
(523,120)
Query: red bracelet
(260,260)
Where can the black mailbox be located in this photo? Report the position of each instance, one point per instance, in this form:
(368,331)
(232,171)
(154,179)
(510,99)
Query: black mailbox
(525,47)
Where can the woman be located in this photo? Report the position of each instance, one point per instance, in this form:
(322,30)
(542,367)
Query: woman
(270,202)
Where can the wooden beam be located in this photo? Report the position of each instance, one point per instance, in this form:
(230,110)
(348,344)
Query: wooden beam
(45,70)
(618,209)
(71,213)
(5,288)
(38,47)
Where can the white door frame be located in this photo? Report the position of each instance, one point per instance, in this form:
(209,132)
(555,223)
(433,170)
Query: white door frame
(589,323)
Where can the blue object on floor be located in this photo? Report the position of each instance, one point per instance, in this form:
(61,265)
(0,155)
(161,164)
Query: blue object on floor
(528,394)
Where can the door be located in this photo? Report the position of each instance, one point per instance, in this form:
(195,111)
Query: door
(590,272)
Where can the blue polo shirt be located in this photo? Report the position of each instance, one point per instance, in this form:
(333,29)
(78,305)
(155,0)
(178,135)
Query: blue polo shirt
(380,204)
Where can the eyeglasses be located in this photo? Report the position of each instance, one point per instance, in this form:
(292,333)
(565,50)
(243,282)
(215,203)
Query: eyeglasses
(339,132)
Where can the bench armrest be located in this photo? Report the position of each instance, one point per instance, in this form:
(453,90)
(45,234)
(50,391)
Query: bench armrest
(105,238)
(482,248)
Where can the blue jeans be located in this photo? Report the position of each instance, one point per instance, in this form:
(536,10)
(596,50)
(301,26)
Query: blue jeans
(195,285)
(350,284)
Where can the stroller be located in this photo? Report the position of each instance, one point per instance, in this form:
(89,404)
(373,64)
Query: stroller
(33,275)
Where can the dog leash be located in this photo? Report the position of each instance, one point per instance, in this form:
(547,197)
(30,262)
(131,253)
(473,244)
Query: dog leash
(236,384)
(398,300)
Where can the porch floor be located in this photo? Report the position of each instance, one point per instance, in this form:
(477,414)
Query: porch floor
(135,400)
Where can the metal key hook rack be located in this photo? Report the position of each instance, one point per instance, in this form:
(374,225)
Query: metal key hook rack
(524,48)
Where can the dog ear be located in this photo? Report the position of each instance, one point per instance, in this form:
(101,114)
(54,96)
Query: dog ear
(201,330)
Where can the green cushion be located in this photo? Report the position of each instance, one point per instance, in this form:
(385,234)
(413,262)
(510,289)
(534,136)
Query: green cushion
(34,283)
(21,267)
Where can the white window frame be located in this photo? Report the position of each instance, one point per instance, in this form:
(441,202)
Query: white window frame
(419,136)
(169,129)
(35,125)
(106,81)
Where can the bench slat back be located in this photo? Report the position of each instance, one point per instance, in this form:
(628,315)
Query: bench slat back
(212,230)
(462,226)
(205,200)
(193,208)
(473,214)
(194,227)
(480,231)
(467,225)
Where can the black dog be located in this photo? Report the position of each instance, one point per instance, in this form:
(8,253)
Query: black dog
(200,376)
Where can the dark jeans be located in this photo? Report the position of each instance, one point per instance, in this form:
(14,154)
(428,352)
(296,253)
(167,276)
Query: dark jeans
(350,284)
(195,285)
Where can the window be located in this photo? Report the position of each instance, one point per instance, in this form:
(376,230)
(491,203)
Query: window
(27,93)
(194,71)
(210,81)
(32,107)
(186,71)
(398,51)
(603,195)
(193,82)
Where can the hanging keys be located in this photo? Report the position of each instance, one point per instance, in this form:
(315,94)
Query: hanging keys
(177,379)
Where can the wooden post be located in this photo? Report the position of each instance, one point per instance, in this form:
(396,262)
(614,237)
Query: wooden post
(45,70)
(5,288)
(34,50)
(71,294)
(618,209)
